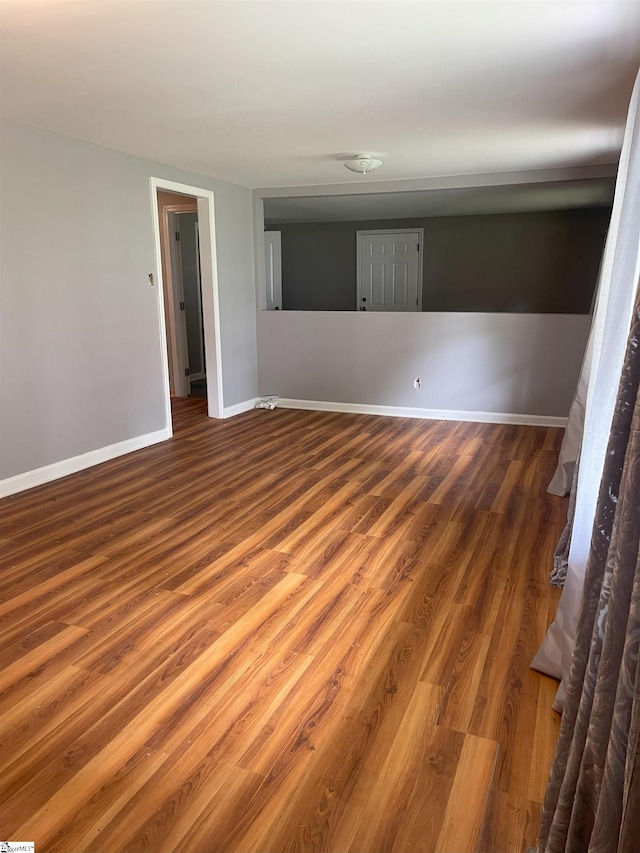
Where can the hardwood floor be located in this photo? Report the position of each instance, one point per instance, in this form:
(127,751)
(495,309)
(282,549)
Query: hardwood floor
(289,631)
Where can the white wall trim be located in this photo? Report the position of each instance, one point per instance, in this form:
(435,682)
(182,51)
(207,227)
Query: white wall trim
(425,414)
(39,476)
(239,408)
(209,292)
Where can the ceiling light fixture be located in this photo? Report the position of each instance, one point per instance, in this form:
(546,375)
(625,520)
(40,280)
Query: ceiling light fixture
(363,163)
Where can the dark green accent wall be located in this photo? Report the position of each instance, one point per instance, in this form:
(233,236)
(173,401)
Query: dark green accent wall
(541,262)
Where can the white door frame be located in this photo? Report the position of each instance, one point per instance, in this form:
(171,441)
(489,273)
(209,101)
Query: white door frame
(210,300)
(361,234)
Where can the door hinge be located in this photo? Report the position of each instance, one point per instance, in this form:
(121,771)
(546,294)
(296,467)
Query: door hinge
(418,247)
(186,371)
(177,236)
(182,306)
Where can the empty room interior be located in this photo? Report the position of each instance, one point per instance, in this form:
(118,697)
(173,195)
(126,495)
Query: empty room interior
(304,307)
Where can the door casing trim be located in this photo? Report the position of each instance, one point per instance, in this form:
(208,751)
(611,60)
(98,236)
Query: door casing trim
(210,295)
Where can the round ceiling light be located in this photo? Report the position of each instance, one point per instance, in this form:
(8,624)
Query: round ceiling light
(363,163)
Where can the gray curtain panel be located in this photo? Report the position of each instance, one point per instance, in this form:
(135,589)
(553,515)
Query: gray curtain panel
(592,804)
(561,556)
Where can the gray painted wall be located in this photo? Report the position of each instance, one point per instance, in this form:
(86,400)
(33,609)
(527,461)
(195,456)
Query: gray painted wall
(80,350)
(501,363)
(538,262)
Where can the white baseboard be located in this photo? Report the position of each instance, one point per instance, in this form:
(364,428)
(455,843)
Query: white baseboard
(39,476)
(239,408)
(425,414)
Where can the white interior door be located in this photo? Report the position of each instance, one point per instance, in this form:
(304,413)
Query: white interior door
(273,269)
(390,270)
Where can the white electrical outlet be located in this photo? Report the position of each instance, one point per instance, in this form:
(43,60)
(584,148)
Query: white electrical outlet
(416,382)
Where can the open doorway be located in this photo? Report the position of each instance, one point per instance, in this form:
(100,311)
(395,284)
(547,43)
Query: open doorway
(179,246)
(184,227)
(188,293)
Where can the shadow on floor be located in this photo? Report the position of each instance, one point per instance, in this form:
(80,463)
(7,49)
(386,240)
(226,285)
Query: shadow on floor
(198,388)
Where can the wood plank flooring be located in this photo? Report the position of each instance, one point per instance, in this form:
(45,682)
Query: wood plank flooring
(289,631)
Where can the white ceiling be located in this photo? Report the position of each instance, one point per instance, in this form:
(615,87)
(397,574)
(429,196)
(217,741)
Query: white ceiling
(273,93)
